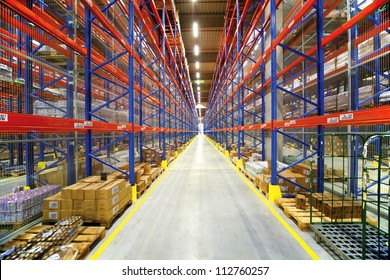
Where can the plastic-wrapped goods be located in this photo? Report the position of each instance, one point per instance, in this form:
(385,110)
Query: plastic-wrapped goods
(256,157)
(254,168)
(21,206)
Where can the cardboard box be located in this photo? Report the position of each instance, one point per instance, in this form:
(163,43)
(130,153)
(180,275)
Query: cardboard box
(66,193)
(106,204)
(78,192)
(89,205)
(146,180)
(78,213)
(147,168)
(66,213)
(51,177)
(109,190)
(125,200)
(141,186)
(78,204)
(137,176)
(51,215)
(125,192)
(52,202)
(67,204)
(90,215)
(90,191)
(108,214)
(300,201)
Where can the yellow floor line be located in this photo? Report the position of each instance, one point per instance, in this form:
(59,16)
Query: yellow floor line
(294,234)
(134,210)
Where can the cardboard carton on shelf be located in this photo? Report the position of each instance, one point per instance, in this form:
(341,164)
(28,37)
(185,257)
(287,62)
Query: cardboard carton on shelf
(52,202)
(110,189)
(70,191)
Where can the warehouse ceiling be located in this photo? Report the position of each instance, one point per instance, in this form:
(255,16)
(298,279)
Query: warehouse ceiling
(209,15)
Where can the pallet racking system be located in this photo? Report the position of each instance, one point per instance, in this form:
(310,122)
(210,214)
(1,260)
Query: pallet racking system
(291,72)
(89,85)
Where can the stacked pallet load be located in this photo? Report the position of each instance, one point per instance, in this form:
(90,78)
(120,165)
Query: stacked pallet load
(92,199)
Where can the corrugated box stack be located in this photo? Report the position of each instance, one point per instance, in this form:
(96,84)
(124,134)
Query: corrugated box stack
(92,200)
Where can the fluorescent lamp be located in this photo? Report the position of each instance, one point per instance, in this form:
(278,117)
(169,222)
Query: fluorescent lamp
(198,88)
(195,29)
(197,65)
(196,50)
(197,75)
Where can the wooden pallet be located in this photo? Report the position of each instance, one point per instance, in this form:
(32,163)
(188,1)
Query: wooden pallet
(108,224)
(139,194)
(280,202)
(302,217)
(86,239)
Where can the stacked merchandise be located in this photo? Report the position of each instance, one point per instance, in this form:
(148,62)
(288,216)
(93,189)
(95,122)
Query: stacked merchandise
(58,109)
(254,168)
(335,146)
(90,198)
(49,244)
(24,205)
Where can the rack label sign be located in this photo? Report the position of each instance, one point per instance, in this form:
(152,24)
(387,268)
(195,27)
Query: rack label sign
(3,117)
(346,117)
(78,125)
(333,120)
(88,123)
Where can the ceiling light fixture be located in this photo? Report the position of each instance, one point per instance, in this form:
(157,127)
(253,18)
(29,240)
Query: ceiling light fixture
(198,88)
(195,29)
(196,50)
(197,75)
(197,65)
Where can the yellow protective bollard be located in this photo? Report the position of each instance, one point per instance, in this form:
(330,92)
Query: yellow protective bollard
(376,159)
(274,193)
(176,153)
(239,163)
(227,153)
(164,164)
(134,193)
(41,165)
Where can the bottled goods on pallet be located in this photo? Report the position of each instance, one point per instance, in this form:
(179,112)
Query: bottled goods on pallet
(50,244)
(21,206)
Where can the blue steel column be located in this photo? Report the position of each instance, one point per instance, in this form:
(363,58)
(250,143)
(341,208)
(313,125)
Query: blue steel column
(131,95)
(354,100)
(239,65)
(163,135)
(320,93)
(175,90)
(28,104)
(70,95)
(274,95)
(19,101)
(88,90)
(41,84)
(263,132)
(140,134)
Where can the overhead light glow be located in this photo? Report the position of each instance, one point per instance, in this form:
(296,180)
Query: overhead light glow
(195,29)
(197,82)
(198,88)
(197,65)
(196,50)
(197,75)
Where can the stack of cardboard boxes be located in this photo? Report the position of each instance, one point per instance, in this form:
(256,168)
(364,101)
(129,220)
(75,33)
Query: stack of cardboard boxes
(287,184)
(337,207)
(93,201)
(335,146)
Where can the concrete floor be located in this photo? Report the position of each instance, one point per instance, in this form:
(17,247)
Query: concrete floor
(202,209)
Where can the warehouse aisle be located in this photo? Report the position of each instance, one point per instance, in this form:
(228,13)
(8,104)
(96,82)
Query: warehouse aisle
(202,209)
